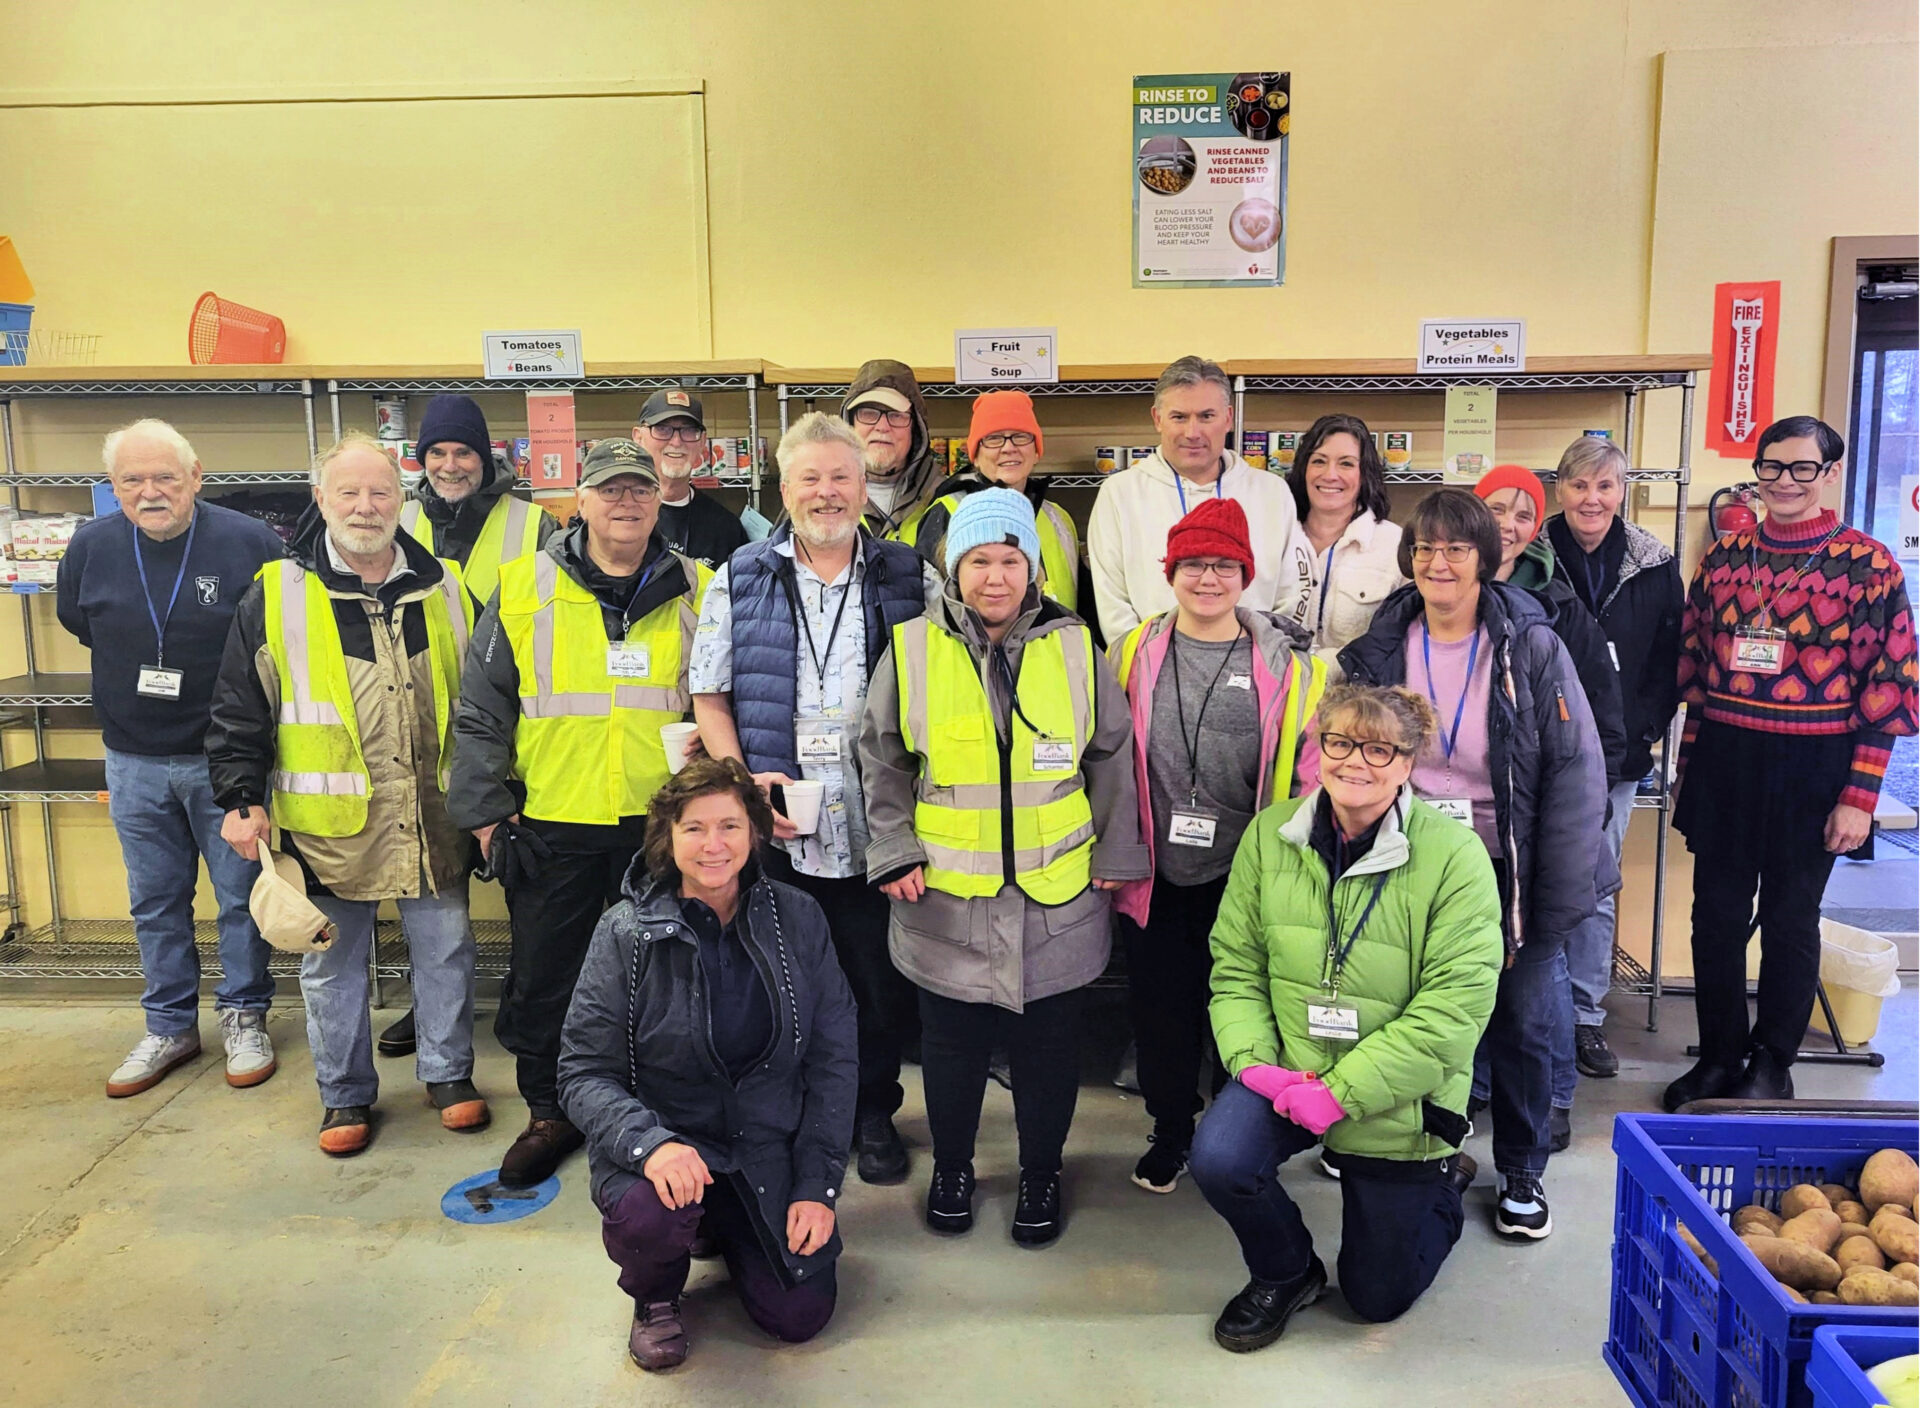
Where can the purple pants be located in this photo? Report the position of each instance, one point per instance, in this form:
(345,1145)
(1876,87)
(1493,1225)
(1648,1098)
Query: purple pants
(650,1243)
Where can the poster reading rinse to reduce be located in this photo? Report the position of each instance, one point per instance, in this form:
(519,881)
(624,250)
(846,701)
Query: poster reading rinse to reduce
(1210,179)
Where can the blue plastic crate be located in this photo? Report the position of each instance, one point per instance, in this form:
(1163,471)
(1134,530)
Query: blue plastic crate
(15,320)
(1835,1374)
(1679,1337)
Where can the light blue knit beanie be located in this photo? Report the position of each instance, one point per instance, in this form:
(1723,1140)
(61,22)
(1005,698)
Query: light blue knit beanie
(993,516)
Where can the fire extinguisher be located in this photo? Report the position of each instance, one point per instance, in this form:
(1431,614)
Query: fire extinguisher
(1735,509)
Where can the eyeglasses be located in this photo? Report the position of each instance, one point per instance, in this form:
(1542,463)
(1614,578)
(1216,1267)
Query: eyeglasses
(1374,753)
(872,415)
(1802,471)
(1193,569)
(1019,439)
(685,434)
(1455,553)
(639,493)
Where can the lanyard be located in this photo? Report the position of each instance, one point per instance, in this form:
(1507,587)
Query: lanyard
(626,612)
(799,610)
(1003,667)
(1192,745)
(1326,590)
(146,592)
(1336,951)
(1753,567)
(1451,736)
(1179,487)
(1596,582)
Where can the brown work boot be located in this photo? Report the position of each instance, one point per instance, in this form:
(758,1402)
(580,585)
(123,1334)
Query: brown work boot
(537,1153)
(658,1339)
(346,1131)
(460,1105)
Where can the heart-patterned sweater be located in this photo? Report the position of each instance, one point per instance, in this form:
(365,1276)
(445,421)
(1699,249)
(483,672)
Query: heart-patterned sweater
(1848,662)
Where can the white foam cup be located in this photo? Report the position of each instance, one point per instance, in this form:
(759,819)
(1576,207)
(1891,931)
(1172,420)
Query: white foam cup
(675,738)
(803,804)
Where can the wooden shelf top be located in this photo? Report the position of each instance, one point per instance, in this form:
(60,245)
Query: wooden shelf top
(1302,366)
(296,371)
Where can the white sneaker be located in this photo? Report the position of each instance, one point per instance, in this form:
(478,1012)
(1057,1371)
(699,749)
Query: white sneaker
(150,1060)
(249,1049)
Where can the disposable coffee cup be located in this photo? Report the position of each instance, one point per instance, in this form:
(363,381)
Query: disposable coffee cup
(675,739)
(803,804)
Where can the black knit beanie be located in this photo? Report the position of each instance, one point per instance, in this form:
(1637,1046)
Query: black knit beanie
(458,419)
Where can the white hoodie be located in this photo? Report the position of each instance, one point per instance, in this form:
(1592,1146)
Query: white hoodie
(1366,571)
(1127,537)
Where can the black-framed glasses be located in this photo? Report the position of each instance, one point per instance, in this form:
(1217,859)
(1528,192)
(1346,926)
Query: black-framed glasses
(685,434)
(1456,553)
(872,415)
(1801,471)
(1339,747)
(1019,439)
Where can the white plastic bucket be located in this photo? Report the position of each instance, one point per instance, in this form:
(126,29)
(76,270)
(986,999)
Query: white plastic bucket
(1860,970)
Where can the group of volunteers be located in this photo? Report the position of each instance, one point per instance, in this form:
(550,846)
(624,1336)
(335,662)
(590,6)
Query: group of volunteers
(1356,790)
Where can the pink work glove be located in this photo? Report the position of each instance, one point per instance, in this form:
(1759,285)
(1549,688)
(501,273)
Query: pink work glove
(1269,1082)
(1311,1106)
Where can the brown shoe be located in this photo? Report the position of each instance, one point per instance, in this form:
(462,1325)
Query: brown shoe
(460,1105)
(538,1152)
(658,1340)
(346,1131)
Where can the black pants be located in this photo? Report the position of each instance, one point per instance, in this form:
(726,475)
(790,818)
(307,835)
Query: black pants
(553,920)
(1169,965)
(1754,809)
(857,915)
(1398,1221)
(1043,1047)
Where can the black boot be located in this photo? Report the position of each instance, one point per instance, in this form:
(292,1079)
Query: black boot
(1258,1316)
(537,1153)
(1767,1077)
(882,1157)
(1708,1080)
(398,1039)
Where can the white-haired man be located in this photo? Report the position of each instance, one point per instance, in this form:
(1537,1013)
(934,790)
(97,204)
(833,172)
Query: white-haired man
(334,712)
(151,592)
(789,635)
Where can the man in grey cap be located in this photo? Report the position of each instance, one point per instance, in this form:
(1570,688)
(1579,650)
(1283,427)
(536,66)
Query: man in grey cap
(886,410)
(673,429)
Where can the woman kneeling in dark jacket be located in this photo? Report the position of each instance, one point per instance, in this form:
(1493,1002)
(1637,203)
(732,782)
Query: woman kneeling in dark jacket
(709,1057)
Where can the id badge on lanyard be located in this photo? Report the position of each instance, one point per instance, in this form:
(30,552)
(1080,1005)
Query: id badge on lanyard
(629,660)
(156,683)
(1192,826)
(1329,1021)
(1759,651)
(1459,808)
(816,741)
(1053,755)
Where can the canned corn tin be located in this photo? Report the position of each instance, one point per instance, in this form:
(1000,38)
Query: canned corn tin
(1106,459)
(1253,448)
(1137,453)
(1281,446)
(1397,449)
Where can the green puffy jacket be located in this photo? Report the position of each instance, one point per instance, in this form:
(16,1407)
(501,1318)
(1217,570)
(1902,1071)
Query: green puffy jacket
(1422,974)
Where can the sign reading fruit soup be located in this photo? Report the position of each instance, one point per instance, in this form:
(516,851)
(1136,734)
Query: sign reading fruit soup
(1210,179)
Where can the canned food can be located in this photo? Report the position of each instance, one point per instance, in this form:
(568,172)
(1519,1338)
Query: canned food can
(742,454)
(1253,448)
(1137,453)
(1281,446)
(1106,459)
(1397,449)
(1597,434)
(390,419)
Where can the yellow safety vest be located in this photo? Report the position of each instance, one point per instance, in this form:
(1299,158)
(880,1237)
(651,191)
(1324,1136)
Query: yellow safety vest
(1059,547)
(513,529)
(588,741)
(320,777)
(946,718)
(1299,701)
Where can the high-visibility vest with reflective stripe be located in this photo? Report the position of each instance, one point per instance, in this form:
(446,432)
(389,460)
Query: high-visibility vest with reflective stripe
(320,777)
(1059,547)
(946,717)
(513,529)
(587,745)
(1300,699)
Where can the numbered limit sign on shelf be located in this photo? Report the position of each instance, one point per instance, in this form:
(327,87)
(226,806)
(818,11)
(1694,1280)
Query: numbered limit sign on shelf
(1467,440)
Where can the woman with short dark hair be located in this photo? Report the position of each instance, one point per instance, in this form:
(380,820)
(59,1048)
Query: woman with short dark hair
(709,1058)
(1341,559)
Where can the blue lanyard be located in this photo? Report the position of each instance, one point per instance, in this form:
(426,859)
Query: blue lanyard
(626,613)
(1326,587)
(1449,738)
(146,592)
(1219,488)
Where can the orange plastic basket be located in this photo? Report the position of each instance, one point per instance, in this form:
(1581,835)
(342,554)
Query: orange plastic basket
(220,331)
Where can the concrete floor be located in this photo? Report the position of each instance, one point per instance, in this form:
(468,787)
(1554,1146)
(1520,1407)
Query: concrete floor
(191,1246)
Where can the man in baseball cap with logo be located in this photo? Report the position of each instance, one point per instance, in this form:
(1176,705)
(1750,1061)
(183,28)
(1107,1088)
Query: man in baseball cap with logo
(673,429)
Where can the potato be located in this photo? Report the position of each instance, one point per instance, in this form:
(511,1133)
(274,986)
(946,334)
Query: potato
(1897,1236)
(1850,1211)
(1801,1198)
(1865,1286)
(1837,1193)
(1693,1245)
(1794,1264)
(1906,1271)
(1823,1298)
(1754,1218)
(1818,1228)
(1859,1251)
(1890,1176)
(1792,1294)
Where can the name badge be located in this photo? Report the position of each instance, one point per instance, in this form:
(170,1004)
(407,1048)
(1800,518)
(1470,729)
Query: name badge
(1459,808)
(1331,1023)
(1191,828)
(1053,755)
(817,741)
(1758,652)
(1239,681)
(157,683)
(629,660)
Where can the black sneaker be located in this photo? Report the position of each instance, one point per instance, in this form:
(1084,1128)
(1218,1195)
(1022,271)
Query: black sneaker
(1258,1316)
(1559,1128)
(1461,1172)
(1160,1167)
(1038,1219)
(1522,1210)
(398,1039)
(1592,1054)
(950,1200)
(882,1157)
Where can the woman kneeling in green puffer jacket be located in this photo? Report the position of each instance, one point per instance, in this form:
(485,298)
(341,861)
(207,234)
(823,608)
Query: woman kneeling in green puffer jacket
(1355,961)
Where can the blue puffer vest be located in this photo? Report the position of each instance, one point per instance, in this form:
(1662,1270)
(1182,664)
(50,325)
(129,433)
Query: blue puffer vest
(766,638)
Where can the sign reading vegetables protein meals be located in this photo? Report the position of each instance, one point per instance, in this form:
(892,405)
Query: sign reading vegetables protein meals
(1210,179)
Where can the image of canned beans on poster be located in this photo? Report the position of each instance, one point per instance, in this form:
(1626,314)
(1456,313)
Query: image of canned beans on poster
(1210,179)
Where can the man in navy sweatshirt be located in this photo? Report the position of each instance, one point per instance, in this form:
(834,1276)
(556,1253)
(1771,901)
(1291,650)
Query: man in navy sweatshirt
(151,593)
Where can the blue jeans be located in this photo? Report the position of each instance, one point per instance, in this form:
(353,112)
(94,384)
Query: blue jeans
(334,984)
(1590,945)
(164,812)
(1398,1220)
(1516,1069)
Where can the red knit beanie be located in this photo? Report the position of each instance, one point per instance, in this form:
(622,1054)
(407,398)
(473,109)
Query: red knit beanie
(1212,528)
(1513,476)
(1003,410)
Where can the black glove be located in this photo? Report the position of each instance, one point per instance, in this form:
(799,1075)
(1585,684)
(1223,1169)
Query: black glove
(515,855)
